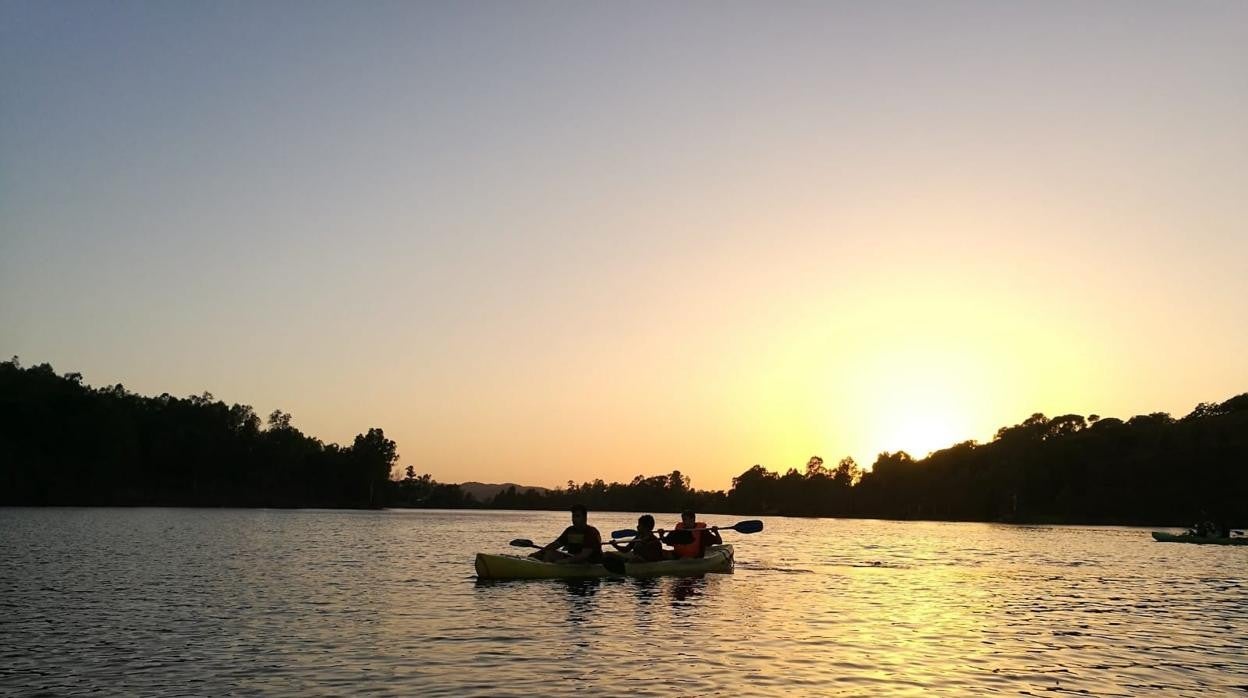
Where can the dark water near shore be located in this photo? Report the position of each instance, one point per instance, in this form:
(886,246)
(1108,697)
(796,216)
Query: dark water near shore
(207,602)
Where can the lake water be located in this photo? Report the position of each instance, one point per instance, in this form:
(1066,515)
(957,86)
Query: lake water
(207,602)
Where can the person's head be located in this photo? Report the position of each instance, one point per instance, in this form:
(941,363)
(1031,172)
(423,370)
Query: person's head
(688,518)
(645,523)
(579,514)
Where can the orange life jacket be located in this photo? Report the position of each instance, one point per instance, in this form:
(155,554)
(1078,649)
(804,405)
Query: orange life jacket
(693,548)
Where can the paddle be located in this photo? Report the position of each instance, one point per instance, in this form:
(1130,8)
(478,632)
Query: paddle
(679,536)
(751,526)
(526,543)
(614,565)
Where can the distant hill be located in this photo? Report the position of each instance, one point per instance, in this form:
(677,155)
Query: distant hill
(484,492)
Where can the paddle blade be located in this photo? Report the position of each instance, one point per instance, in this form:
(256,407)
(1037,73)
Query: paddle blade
(752,526)
(614,565)
(524,543)
(624,533)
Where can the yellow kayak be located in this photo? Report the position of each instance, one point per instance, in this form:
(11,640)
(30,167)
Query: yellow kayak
(718,559)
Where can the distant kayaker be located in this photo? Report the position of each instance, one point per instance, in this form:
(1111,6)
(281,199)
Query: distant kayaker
(646,546)
(1208,527)
(580,542)
(703,537)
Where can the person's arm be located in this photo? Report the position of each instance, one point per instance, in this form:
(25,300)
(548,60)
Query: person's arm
(588,549)
(555,544)
(712,536)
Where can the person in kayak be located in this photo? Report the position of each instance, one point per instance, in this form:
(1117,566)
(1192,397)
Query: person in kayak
(703,537)
(1209,527)
(646,546)
(580,542)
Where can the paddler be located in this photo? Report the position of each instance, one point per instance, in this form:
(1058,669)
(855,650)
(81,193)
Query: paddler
(703,537)
(645,546)
(580,542)
(1207,527)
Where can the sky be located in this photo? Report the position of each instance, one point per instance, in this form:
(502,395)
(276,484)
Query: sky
(548,241)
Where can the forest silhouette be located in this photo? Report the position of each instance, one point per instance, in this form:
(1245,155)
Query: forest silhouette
(65,443)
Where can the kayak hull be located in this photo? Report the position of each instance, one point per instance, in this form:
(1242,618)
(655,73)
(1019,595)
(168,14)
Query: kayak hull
(719,558)
(1161,537)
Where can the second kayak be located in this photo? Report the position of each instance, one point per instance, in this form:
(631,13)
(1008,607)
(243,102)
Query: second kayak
(1162,537)
(719,558)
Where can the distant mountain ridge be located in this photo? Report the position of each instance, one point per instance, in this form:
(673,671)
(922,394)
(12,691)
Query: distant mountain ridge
(484,492)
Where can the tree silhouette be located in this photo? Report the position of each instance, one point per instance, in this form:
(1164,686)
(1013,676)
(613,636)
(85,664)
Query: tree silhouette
(64,442)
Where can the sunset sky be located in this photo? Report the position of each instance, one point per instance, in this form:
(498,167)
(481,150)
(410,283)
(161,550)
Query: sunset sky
(542,241)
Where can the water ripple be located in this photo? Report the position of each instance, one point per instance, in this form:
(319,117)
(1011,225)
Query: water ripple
(199,602)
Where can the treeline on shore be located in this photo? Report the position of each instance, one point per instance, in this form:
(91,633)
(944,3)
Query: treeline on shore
(62,442)
(65,443)
(1150,469)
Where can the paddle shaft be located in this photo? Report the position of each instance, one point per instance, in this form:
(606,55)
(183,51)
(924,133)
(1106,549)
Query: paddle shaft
(526,543)
(750,526)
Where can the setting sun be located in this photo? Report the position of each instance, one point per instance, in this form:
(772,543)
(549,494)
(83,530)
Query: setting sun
(916,399)
(919,432)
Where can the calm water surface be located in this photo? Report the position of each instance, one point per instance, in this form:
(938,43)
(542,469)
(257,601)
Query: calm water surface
(207,602)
